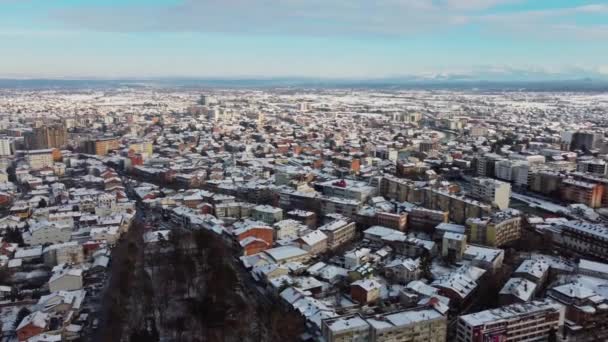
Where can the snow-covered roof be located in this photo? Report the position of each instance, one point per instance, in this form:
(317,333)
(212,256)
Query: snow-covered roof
(403,318)
(462,281)
(285,252)
(509,312)
(535,268)
(36,318)
(521,288)
(367,284)
(314,237)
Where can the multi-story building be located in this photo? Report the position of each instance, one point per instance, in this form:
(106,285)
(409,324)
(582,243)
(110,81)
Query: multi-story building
(141,147)
(314,242)
(233,210)
(348,163)
(589,194)
(586,141)
(267,214)
(534,321)
(478,131)
(307,218)
(428,145)
(592,178)
(39,159)
(514,171)
(101,146)
(343,188)
(106,204)
(343,206)
(490,259)
(6,147)
(409,325)
(453,246)
(486,164)
(346,328)
(285,254)
(403,270)
(535,270)
(48,136)
(288,229)
(586,238)
(545,182)
(63,253)
(492,191)
(426,219)
(254,237)
(418,324)
(459,207)
(496,230)
(290,199)
(459,285)
(517,290)
(339,232)
(44,232)
(401,189)
(503,169)
(596,166)
(586,311)
(392,220)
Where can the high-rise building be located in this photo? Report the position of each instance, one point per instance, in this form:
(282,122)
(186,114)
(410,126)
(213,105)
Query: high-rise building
(48,136)
(206,100)
(546,182)
(586,141)
(101,146)
(6,147)
(596,166)
(492,191)
(486,164)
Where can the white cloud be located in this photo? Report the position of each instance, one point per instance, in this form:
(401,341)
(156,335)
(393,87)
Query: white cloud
(354,18)
(474,5)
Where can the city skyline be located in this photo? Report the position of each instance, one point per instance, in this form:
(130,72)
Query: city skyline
(494,40)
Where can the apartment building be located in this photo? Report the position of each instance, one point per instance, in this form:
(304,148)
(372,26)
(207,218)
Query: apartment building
(418,324)
(267,214)
(496,230)
(346,188)
(492,191)
(6,147)
(101,146)
(586,238)
(534,321)
(339,232)
(426,219)
(589,194)
(39,159)
(342,206)
(459,207)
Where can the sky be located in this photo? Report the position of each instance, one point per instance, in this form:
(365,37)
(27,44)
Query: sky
(483,39)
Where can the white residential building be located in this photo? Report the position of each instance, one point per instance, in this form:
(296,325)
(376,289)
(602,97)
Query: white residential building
(492,191)
(533,321)
(45,232)
(39,159)
(6,147)
(65,278)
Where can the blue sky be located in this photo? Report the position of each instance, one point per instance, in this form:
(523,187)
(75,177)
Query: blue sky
(313,38)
